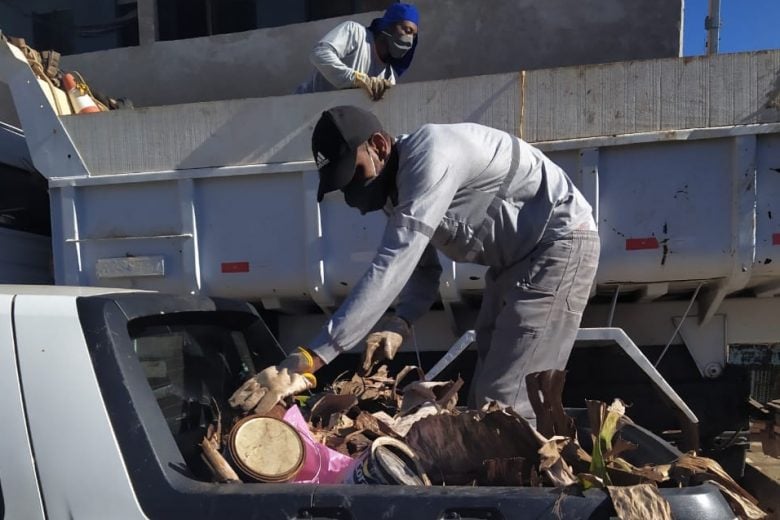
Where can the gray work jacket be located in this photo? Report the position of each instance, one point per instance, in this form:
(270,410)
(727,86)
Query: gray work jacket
(345,49)
(474,193)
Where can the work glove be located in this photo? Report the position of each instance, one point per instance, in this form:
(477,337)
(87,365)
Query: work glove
(264,390)
(385,342)
(375,86)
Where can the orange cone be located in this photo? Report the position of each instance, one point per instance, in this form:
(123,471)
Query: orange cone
(81,101)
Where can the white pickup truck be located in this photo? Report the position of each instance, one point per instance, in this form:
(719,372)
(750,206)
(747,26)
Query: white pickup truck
(104,397)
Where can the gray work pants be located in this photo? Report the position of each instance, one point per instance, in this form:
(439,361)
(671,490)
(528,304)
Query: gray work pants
(529,318)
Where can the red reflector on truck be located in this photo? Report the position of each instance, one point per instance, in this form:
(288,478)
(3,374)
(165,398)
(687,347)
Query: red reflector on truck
(641,243)
(776,239)
(235,267)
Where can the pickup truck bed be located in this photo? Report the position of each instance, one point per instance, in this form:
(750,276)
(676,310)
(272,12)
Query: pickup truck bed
(104,397)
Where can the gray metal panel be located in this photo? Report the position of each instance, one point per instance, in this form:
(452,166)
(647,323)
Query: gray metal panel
(51,149)
(7,110)
(274,130)
(13,148)
(81,470)
(767,258)
(24,257)
(643,96)
(748,320)
(660,187)
(21,494)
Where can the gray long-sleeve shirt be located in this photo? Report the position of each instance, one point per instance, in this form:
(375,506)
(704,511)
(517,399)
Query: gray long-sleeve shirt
(474,193)
(345,49)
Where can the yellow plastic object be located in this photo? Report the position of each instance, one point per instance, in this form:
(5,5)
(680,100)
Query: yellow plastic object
(312,379)
(308,357)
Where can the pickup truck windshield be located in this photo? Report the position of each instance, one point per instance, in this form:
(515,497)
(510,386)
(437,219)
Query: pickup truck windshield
(192,367)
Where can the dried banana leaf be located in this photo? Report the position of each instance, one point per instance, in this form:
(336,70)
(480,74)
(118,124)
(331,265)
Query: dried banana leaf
(640,501)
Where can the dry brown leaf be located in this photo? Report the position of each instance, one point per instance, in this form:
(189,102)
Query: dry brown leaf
(642,501)
(491,407)
(576,457)
(597,411)
(418,393)
(453,447)
(691,469)
(211,444)
(382,375)
(742,507)
(631,476)
(402,425)
(588,480)
(553,465)
(371,391)
(503,472)
(384,417)
(545,391)
(339,422)
(618,448)
(405,371)
(354,386)
(370,424)
(356,443)
(328,405)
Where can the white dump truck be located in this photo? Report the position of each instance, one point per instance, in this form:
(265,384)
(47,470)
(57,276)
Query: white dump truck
(680,159)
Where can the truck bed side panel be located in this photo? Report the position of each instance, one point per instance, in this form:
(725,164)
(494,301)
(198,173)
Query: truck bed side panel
(81,471)
(21,496)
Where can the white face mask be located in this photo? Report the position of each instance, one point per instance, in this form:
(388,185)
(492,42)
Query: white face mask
(398,46)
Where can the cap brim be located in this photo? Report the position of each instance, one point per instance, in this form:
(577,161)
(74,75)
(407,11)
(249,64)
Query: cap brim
(337,175)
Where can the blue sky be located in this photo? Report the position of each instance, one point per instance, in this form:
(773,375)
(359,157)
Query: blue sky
(746,25)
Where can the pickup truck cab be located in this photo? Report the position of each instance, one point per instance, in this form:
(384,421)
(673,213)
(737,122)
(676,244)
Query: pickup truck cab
(105,395)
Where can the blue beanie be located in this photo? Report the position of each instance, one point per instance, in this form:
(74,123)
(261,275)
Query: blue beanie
(400,13)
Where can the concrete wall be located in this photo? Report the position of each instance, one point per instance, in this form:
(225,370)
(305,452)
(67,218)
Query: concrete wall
(16,19)
(457,39)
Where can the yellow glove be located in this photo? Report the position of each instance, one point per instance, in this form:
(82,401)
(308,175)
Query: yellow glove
(373,85)
(385,342)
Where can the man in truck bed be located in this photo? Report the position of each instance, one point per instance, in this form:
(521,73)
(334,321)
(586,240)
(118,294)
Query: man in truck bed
(477,195)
